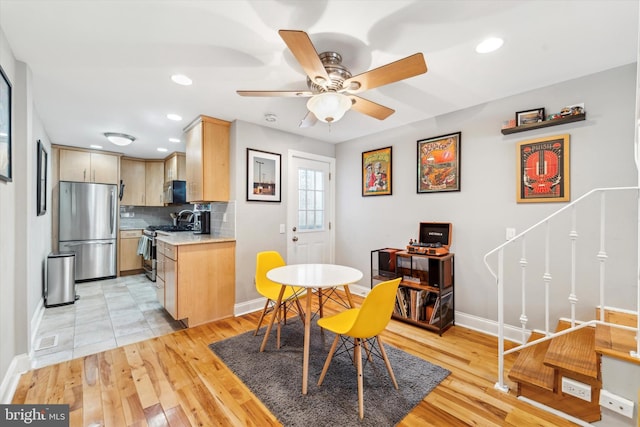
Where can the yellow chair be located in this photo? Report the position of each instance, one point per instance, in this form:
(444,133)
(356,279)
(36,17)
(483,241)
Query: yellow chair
(363,324)
(266,261)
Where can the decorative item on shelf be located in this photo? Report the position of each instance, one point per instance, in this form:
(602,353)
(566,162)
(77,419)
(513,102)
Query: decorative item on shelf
(554,116)
(529,116)
(572,110)
(508,124)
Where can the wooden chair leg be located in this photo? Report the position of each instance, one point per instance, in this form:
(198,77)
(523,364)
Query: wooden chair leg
(358,356)
(300,311)
(327,362)
(387,363)
(264,311)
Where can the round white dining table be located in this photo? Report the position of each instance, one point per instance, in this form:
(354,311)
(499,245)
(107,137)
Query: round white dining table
(310,276)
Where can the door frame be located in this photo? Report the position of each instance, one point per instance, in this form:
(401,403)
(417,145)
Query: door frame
(291,196)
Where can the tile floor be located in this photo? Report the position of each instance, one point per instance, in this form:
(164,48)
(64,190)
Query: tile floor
(110,313)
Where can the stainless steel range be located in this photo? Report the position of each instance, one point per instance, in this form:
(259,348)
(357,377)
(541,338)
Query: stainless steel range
(150,233)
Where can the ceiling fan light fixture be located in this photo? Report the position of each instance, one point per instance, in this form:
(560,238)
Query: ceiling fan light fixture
(120,139)
(329,107)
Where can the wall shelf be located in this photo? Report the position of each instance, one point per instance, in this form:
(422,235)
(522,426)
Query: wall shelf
(546,123)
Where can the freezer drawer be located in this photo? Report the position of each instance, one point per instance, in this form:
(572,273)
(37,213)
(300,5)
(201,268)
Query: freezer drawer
(95,259)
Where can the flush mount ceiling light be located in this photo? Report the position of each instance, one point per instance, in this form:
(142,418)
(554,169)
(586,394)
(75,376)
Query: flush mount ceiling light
(181,79)
(489,45)
(119,138)
(329,107)
(174,117)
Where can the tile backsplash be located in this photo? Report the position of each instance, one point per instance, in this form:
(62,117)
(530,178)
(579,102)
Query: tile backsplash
(223,216)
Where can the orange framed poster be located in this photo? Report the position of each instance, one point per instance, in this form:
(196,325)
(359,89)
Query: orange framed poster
(376,172)
(543,170)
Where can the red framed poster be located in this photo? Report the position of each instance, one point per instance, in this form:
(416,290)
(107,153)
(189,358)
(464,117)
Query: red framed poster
(543,170)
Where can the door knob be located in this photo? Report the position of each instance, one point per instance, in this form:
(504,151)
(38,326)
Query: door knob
(295,238)
(294,228)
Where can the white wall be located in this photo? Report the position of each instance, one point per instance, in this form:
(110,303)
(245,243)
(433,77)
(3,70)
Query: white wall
(24,237)
(601,155)
(258,223)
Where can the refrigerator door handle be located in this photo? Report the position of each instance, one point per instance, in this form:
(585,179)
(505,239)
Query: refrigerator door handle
(111,205)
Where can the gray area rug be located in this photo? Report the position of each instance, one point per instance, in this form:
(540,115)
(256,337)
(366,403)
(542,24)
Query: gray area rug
(275,377)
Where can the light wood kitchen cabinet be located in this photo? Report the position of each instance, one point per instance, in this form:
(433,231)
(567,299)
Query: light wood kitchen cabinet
(130,261)
(133,176)
(154,183)
(198,280)
(143,182)
(87,166)
(160,263)
(175,167)
(207,141)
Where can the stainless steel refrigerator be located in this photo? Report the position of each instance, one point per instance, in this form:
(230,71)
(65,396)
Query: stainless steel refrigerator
(87,227)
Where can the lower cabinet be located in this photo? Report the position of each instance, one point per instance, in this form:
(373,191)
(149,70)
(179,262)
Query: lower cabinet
(130,261)
(197,280)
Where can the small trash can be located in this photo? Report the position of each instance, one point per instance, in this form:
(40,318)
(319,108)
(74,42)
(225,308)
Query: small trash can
(60,283)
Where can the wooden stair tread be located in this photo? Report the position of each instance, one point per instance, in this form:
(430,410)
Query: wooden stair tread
(614,342)
(574,352)
(529,367)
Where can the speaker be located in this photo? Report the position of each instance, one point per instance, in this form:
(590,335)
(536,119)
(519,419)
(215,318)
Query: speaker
(387,262)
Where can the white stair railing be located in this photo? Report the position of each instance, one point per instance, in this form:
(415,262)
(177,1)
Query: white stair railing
(504,283)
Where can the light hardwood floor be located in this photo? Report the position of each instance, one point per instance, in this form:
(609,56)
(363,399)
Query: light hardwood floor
(176,380)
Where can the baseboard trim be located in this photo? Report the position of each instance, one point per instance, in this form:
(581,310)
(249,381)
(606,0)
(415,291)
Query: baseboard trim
(19,364)
(489,327)
(36,319)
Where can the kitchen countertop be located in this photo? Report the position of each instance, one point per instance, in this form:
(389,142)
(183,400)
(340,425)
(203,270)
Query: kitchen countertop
(188,238)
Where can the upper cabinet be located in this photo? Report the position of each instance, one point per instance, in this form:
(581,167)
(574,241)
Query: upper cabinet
(133,176)
(175,167)
(207,141)
(154,183)
(86,166)
(143,182)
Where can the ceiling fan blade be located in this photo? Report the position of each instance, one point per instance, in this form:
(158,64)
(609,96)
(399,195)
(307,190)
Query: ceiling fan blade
(370,108)
(305,53)
(390,73)
(285,93)
(309,120)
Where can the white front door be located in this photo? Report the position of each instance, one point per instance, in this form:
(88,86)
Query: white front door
(310,211)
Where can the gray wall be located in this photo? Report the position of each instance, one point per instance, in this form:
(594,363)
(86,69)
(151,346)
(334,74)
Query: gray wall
(601,156)
(258,223)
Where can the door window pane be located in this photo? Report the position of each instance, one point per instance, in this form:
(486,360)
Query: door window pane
(310,199)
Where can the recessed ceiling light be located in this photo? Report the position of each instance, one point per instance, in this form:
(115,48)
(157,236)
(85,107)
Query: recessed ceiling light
(96,146)
(181,79)
(270,117)
(162,150)
(489,45)
(176,140)
(174,117)
(119,138)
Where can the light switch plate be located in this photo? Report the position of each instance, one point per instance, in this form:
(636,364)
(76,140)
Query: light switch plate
(281,228)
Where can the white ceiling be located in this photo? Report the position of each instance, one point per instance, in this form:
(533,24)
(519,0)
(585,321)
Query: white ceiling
(105,66)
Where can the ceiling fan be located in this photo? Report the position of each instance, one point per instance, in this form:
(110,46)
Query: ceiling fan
(331,87)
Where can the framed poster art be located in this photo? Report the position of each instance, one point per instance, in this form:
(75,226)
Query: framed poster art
(376,172)
(529,116)
(42,179)
(439,163)
(5,127)
(263,176)
(543,170)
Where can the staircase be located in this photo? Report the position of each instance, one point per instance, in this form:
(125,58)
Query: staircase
(576,356)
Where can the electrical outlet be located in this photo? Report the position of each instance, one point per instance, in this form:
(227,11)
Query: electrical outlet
(511,233)
(616,403)
(576,389)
